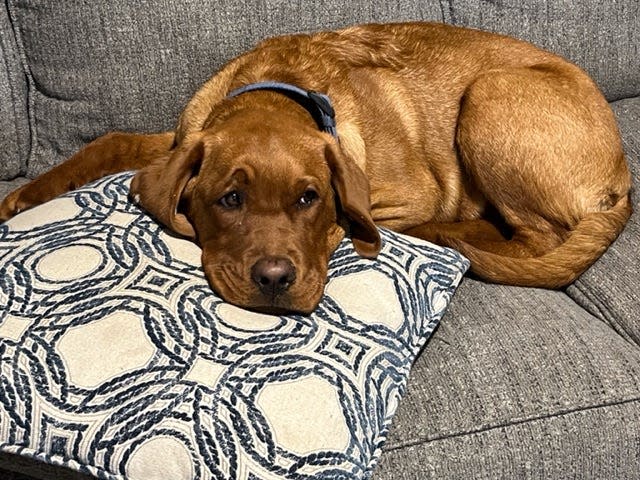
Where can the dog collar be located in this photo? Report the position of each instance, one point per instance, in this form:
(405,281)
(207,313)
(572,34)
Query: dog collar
(317,104)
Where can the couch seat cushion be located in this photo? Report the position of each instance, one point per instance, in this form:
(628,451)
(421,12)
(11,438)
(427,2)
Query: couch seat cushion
(513,383)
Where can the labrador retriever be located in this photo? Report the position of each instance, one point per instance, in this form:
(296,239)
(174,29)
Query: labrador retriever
(469,139)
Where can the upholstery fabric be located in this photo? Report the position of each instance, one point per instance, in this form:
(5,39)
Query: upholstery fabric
(601,37)
(14,122)
(501,391)
(118,360)
(95,67)
(8,186)
(584,444)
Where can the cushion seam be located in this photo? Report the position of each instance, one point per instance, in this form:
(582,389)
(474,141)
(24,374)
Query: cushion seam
(599,311)
(531,419)
(30,107)
(622,99)
(23,153)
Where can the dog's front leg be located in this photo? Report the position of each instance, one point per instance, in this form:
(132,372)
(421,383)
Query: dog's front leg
(111,153)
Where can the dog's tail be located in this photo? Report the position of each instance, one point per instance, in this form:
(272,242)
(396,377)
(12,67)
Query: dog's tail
(560,266)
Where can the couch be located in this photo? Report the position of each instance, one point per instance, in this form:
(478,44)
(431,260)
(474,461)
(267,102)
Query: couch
(515,382)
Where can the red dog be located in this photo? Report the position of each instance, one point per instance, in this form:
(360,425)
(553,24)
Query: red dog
(472,140)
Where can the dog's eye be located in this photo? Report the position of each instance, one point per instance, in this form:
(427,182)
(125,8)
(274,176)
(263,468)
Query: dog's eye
(307,198)
(232,199)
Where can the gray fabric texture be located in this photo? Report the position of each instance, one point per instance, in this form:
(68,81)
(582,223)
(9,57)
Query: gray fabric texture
(518,380)
(99,66)
(598,443)
(14,124)
(601,37)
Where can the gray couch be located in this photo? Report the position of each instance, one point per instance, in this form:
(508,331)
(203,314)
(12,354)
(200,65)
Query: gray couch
(515,383)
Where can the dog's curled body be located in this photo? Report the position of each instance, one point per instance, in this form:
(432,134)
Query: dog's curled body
(469,139)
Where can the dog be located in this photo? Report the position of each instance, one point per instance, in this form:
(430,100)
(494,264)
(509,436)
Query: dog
(472,140)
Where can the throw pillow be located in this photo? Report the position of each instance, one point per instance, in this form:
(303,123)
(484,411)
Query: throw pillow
(118,360)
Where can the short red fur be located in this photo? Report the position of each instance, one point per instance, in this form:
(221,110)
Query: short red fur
(468,139)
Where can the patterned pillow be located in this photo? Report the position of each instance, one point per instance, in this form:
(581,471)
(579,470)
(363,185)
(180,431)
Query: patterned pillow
(119,361)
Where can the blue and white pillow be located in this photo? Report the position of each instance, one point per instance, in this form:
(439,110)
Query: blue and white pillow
(118,360)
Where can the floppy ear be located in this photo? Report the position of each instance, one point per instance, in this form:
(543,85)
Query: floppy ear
(159,186)
(352,187)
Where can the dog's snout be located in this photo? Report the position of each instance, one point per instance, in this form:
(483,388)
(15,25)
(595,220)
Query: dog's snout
(273,275)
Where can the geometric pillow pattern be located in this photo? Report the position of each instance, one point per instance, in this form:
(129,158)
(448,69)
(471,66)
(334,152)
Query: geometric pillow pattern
(118,360)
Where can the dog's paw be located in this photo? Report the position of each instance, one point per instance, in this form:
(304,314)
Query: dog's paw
(13,204)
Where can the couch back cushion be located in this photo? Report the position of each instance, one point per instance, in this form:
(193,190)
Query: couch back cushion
(14,123)
(92,67)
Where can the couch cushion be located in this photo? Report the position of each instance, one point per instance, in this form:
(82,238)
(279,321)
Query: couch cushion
(601,37)
(118,359)
(596,443)
(527,371)
(14,123)
(526,383)
(100,66)
(609,289)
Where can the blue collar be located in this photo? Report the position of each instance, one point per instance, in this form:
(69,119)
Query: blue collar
(317,104)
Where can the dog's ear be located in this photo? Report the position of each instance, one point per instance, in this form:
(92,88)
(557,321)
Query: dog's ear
(352,188)
(159,187)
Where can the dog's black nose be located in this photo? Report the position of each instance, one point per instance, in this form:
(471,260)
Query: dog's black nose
(273,275)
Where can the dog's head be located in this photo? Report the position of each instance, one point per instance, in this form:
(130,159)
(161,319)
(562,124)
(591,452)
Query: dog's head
(268,202)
